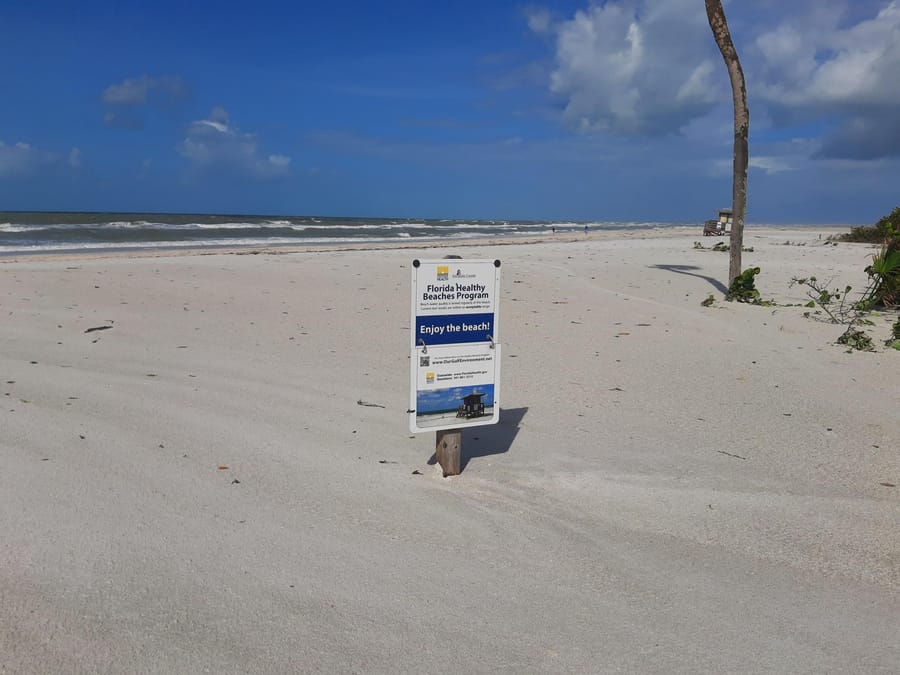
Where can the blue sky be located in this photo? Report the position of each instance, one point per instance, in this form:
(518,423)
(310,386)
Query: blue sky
(617,110)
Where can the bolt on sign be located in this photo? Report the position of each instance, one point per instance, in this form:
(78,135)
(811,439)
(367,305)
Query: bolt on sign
(454,344)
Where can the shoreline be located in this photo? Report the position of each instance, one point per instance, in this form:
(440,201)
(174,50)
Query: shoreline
(418,244)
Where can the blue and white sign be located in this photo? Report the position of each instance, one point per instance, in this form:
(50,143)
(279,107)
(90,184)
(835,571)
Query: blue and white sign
(454,344)
(454,328)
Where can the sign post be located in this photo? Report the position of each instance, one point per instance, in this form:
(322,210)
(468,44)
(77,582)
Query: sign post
(454,351)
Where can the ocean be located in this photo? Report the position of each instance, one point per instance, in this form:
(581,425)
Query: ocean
(38,232)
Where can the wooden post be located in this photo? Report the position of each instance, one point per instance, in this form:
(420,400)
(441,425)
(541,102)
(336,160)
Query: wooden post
(447,450)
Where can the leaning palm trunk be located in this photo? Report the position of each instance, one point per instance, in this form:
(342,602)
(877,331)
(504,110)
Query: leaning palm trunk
(716,15)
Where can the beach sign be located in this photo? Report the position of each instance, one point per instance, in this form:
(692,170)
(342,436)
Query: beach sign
(454,344)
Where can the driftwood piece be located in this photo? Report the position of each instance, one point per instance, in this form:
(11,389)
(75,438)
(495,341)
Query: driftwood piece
(369,405)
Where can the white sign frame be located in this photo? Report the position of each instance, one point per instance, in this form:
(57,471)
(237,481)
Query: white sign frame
(454,379)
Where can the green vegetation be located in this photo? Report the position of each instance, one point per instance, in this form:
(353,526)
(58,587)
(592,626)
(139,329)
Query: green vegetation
(840,309)
(856,339)
(884,272)
(881,292)
(743,288)
(721,246)
(874,234)
(894,340)
(836,305)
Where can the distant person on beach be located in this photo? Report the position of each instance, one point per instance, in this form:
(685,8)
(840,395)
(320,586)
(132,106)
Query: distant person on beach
(585,228)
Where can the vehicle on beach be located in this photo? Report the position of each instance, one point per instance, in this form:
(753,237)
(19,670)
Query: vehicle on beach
(472,406)
(720,227)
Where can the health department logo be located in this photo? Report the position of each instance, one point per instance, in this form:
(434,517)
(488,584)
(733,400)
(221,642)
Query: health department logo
(429,378)
(460,275)
(443,273)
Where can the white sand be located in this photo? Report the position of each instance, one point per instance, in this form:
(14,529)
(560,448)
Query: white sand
(672,488)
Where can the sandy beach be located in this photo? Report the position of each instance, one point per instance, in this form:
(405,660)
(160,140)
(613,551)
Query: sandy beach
(194,485)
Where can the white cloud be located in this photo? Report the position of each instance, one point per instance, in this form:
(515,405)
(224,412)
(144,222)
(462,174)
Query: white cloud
(827,64)
(810,65)
(75,158)
(634,66)
(214,142)
(539,20)
(218,126)
(127,100)
(21,159)
(650,67)
(140,90)
(771,164)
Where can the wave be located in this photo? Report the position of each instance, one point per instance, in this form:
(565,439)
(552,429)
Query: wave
(444,225)
(58,232)
(9,227)
(34,246)
(267,225)
(208,243)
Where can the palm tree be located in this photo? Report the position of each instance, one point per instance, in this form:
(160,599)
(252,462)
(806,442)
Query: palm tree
(716,15)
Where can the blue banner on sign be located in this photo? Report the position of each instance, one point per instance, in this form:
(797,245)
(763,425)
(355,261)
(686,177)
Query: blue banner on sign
(454,328)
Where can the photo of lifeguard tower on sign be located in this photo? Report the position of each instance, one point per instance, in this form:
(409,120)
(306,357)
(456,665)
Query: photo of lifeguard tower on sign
(440,406)
(471,406)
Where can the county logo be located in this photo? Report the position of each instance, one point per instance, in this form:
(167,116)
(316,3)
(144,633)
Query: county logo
(443,273)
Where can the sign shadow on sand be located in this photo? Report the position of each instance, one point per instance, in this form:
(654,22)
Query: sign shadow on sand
(495,439)
(687,269)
